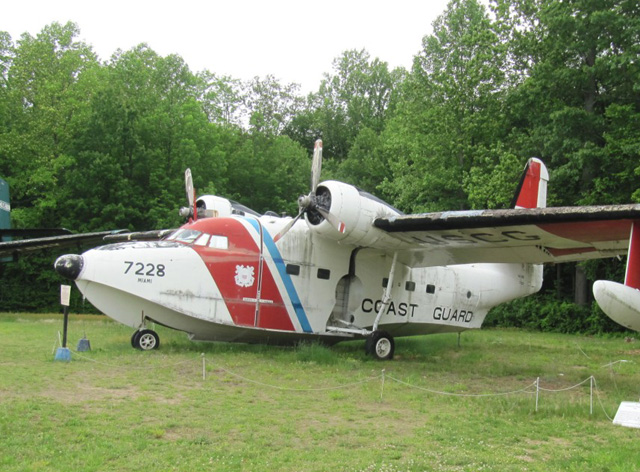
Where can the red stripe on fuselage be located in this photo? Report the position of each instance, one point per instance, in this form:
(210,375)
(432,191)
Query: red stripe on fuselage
(236,272)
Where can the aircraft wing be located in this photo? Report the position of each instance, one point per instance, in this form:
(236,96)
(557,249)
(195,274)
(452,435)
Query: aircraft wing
(152,235)
(12,248)
(537,235)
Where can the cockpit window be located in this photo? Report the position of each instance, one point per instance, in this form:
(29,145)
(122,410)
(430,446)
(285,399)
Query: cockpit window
(198,238)
(185,236)
(219,242)
(202,240)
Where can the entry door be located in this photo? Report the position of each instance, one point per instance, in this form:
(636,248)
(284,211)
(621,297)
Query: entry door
(236,270)
(253,280)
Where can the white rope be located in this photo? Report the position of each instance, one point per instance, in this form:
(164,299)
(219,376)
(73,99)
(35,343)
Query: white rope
(584,353)
(595,384)
(476,395)
(532,388)
(615,362)
(565,389)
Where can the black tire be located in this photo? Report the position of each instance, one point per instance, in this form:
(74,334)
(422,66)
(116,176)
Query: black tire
(134,338)
(380,345)
(147,340)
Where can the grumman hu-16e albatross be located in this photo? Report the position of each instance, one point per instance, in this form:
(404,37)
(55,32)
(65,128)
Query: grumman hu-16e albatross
(349,266)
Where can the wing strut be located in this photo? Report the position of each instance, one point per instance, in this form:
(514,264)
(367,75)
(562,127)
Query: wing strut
(386,298)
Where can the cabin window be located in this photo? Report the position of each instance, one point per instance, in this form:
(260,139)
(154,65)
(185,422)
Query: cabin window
(385,282)
(202,240)
(293,269)
(410,286)
(324,274)
(219,242)
(431,288)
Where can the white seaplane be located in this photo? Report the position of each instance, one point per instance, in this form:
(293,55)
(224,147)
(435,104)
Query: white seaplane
(349,266)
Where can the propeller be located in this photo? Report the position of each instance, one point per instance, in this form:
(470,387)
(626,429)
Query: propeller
(191,210)
(316,206)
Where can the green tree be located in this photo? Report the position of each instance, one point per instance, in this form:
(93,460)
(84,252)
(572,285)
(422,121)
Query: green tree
(268,173)
(577,106)
(450,113)
(222,99)
(271,105)
(44,100)
(359,94)
(146,127)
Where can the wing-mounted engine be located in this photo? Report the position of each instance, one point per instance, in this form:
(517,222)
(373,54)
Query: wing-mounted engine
(353,209)
(210,206)
(339,211)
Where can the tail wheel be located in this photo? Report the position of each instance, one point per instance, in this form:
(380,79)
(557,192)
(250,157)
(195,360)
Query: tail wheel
(146,340)
(380,345)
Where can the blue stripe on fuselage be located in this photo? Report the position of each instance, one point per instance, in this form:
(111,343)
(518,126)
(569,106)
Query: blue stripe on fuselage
(286,279)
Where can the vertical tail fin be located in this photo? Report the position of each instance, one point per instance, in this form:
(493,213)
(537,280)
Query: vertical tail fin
(532,193)
(532,190)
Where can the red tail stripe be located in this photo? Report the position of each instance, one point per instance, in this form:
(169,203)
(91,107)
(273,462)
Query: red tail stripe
(528,197)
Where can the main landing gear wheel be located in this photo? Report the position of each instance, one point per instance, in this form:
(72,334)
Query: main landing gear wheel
(145,340)
(134,338)
(380,345)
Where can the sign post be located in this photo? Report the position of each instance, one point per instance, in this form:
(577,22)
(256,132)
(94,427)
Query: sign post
(63,353)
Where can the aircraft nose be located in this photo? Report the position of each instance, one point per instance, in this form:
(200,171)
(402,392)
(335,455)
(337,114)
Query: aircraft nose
(69,266)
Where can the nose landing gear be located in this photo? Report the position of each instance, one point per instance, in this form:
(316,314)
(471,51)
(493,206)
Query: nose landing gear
(380,345)
(145,340)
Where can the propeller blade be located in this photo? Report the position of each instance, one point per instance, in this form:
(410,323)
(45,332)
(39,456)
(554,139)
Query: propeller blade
(188,183)
(191,193)
(316,165)
(333,220)
(305,202)
(289,225)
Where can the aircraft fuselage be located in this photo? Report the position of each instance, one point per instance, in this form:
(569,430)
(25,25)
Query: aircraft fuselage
(224,279)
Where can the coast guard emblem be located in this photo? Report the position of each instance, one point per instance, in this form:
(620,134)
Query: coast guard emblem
(244,276)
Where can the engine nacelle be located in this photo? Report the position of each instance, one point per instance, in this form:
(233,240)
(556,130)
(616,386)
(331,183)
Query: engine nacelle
(212,206)
(353,207)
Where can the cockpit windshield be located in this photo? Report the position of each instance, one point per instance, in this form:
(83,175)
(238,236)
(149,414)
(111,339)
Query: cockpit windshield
(184,235)
(199,238)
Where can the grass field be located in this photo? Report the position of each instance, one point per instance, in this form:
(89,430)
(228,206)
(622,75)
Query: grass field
(312,408)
